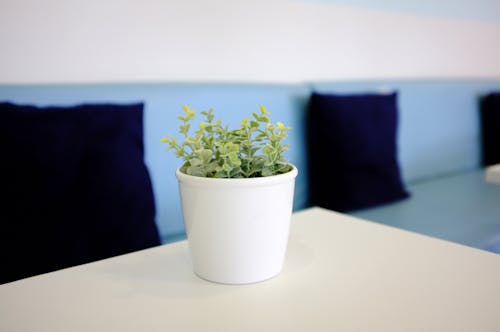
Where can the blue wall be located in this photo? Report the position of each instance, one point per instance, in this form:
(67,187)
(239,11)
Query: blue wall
(481,10)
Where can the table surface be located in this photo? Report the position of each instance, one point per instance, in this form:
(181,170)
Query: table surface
(341,274)
(493,174)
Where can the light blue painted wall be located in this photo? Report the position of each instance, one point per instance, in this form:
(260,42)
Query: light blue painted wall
(482,10)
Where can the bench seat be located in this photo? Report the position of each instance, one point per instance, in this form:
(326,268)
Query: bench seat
(460,207)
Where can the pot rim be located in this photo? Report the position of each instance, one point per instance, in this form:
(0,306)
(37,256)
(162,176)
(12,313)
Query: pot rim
(257,181)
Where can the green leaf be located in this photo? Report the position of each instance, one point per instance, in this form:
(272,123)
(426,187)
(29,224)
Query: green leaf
(195,171)
(233,158)
(263,110)
(206,156)
(195,162)
(180,153)
(189,113)
(184,128)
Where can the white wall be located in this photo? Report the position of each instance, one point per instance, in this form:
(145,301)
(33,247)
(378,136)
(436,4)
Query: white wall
(231,40)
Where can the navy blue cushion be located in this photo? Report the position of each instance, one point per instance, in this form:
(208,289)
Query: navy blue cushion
(74,185)
(352,149)
(490,129)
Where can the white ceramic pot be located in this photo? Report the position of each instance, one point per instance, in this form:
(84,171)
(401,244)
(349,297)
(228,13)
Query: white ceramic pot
(237,228)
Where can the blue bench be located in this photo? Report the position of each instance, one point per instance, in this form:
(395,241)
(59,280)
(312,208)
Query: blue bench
(438,139)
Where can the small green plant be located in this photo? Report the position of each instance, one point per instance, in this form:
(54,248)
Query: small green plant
(253,150)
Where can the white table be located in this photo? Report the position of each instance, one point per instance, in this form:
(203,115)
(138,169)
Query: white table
(341,274)
(493,174)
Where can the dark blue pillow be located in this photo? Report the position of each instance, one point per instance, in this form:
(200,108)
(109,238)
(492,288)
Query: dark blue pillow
(74,185)
(352,149)
(490,128)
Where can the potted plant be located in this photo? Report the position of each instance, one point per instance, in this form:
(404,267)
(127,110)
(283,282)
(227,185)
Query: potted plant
(237,194)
